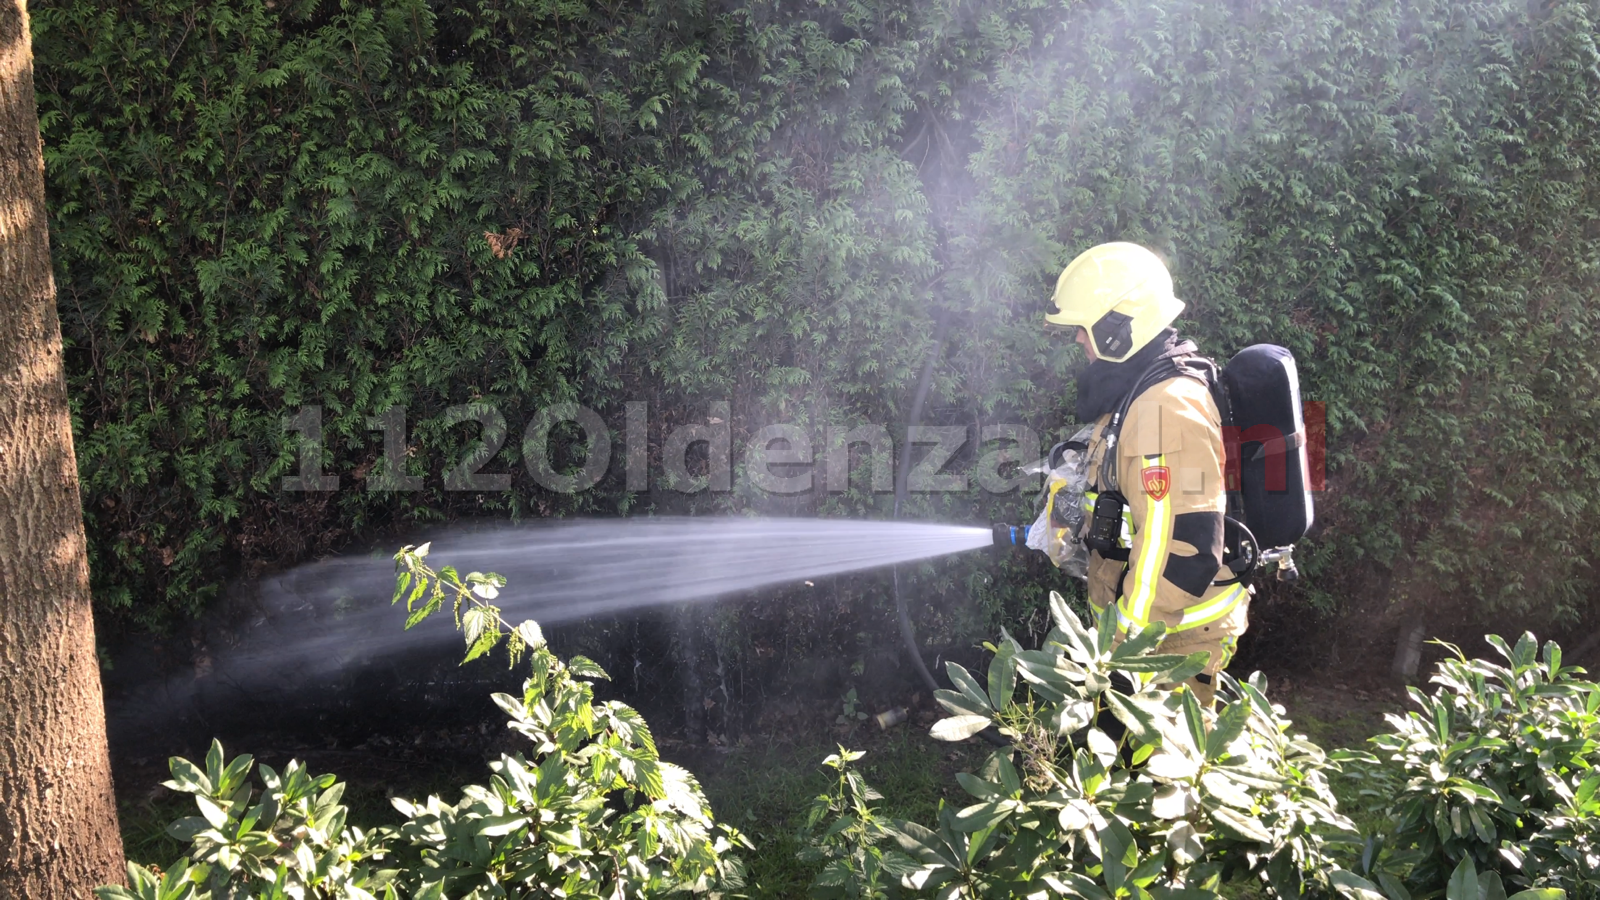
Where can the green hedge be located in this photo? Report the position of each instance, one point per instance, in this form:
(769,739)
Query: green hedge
(257,206)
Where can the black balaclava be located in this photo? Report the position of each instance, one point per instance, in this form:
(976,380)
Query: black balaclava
(1103,384)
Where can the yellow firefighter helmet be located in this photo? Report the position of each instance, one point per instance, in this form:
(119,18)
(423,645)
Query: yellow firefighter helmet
(1120,293)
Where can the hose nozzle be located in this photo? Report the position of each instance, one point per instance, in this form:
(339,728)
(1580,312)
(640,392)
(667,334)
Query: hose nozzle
(1008,536)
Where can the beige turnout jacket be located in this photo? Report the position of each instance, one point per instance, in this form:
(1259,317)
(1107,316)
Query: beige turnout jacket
(1169,467)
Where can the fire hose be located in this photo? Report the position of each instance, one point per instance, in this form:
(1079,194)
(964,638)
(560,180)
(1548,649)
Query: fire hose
(908,632)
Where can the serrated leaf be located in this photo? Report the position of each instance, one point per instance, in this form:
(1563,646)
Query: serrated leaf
(531,634)
(482,645)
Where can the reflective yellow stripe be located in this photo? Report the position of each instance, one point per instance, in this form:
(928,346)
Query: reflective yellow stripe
(1153,552)
(1212,609)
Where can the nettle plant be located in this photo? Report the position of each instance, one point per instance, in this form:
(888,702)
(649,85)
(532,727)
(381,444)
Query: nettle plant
(1492,781)
(1113,786)
(589,811)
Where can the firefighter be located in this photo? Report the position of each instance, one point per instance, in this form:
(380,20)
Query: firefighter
(1154,511)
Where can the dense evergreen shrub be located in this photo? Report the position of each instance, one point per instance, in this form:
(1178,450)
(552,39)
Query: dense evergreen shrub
(587,809)
(1492,777)
(259,205)
(1111,785)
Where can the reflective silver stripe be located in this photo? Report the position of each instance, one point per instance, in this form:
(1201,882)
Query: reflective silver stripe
(1211,610)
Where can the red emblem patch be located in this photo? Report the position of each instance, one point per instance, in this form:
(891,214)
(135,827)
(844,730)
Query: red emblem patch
(1157,481)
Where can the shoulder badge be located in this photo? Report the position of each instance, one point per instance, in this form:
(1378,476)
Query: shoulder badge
(1157,481)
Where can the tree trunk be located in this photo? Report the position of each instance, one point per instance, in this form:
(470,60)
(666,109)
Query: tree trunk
(58,816)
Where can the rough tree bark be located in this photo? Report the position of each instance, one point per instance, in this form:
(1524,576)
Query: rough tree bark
(58,817)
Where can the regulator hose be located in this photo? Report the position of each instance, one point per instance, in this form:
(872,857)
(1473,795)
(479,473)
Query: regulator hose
(902,472)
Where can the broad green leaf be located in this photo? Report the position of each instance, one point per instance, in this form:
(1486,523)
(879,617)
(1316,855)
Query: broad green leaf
(187,777)
(1525,652)
(1392,887)
(1146,640)
(214,766)
(1241,826)
(921,843)
(1283,874)
(1352,885)
(1106,633)
(1070,717)
(1102,747)
(1139,722)
(959,728)
(1552,658)
(186,828)
(1220,785)
(483,644)
(960,703)
(986,815)
(1482,826)
(1064,617)
(1162,666)
(968,685)
(498,826)
(475,622)
(1174,801)
(213,813)
(1002,676)
(1184,843)
(402,584)
(1463,883)
(1073,884)
(978,787)
(1167,764)
(1166,893)
(1194,719)
(1230,722)
(1490,886)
